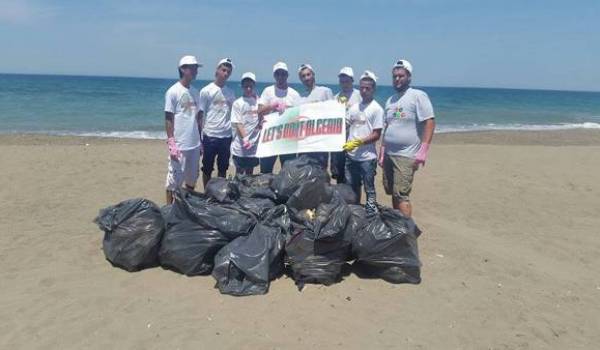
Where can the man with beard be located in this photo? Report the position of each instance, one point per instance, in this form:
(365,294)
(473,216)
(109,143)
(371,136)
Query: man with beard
(409,128)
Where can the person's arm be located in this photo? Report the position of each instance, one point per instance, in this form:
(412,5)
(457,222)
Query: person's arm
(174,151)
(373,137)
(200,121)
(428,130)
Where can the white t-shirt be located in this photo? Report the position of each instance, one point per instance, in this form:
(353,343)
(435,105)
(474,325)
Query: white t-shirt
(403,119)
(245,112)
(317,94)
(183,103)
(362,119)
(272,93)
(216,103)
(353,99)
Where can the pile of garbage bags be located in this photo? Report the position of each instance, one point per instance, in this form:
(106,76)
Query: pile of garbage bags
(251,229)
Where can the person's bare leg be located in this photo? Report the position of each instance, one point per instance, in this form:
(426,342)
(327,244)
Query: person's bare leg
(405,208)
(169,197)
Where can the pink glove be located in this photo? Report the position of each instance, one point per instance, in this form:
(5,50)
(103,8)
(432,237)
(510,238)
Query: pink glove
(246,143)
(279,106)
(174,151)
(421,156)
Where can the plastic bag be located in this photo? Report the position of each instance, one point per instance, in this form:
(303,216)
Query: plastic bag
(256,206)
(255,186)
(222,190)
(387,248)
(230,219)
(294,174)
(247,264)
(197,229)
(345,192)
(310,194)
(133,230)
(318,249)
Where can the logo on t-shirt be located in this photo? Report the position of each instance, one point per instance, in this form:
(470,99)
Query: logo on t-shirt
(187,103)
(399,114)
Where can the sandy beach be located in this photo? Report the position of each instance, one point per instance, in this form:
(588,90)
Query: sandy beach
(510,251)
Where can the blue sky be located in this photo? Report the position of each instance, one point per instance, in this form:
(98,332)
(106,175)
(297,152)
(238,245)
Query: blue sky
(519,44)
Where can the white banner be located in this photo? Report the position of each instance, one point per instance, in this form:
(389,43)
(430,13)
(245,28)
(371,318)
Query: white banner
(312,127)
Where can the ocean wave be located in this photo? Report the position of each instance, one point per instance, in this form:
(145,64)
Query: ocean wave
(516,127)
(440,128)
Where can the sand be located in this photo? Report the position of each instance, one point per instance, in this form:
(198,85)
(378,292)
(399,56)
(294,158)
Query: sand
(510,251)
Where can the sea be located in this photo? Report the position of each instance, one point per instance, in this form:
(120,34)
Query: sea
(133,107)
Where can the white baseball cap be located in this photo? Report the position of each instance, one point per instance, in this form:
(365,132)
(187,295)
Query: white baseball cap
(248,75)
(280,65)
(188,60)
(226,61)
(347,71)
(368,75)
(403,64)
(303,66)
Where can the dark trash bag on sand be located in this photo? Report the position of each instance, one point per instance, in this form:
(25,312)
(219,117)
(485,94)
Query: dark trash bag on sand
(247,264)
(345,192)
(194,235)
(294,174)
(133,230)
(318,249)
(255,186)
(310,194)
(222,190)
(387,248)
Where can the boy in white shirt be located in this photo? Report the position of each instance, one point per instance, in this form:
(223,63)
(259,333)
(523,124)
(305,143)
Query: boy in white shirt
(182,120)
(244,121)
(276,98)
(365,122)
(313,93)
(215,107)
(348,96)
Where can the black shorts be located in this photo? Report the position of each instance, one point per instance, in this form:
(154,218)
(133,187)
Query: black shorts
(215,147)
(245,162)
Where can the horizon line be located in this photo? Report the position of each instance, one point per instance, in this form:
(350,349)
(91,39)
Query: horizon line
(264,82)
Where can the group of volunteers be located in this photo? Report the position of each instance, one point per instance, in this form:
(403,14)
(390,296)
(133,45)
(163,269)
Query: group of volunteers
(213,125)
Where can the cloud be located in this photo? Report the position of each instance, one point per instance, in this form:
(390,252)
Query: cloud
(22,11)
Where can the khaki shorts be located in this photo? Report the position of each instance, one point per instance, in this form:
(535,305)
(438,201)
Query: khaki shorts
(398,173)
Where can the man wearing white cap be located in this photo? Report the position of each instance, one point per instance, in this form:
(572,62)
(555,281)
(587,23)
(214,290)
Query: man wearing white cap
(215,105)
(365,122)
(182,118)
(348,96)
(409,128)
(277,97)
(313,93)
(244,120)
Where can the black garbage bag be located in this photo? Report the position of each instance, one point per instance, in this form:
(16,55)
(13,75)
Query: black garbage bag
(256,206)
(231,219)
(189,248)
(318,248)
(356,223)
(345,192)
(294,174)
(133,230)
(197,229)
(255,186)
(387,248)
(222,190)
(310,194)
(247,264)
